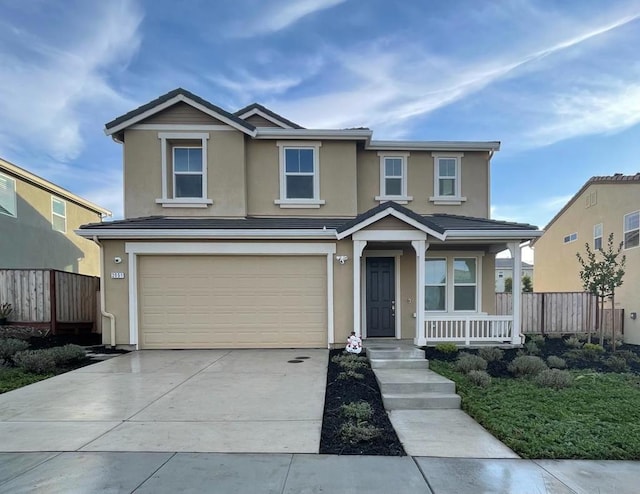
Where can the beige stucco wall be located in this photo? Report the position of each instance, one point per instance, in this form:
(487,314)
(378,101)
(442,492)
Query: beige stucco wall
(420,175)
(29,241)
(143,175)
(337,180)
(556,267)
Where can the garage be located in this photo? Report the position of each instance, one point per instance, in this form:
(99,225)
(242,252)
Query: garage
(232,301)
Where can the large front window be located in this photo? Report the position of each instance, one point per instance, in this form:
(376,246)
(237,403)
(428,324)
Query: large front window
(632,230)
(187,172)
(451,284)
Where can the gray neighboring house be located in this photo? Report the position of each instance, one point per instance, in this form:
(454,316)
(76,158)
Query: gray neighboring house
(504,270)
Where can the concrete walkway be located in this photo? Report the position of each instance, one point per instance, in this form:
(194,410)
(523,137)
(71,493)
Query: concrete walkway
(168,401)
(158,473)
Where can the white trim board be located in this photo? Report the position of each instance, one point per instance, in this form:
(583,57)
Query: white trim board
(259,112)
(390,212)
(168,233)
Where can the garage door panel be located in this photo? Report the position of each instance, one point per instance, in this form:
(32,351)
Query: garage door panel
(232,301)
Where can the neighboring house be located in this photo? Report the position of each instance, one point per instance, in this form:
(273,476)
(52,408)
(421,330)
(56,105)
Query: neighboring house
(37,223)
(246,230)
(602,206)
(504,270)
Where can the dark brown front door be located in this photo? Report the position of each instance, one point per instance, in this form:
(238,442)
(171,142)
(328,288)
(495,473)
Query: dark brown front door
(381,312)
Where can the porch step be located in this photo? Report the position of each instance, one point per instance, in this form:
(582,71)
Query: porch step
(399,364)
(421,401)
(408,381)
(388,353)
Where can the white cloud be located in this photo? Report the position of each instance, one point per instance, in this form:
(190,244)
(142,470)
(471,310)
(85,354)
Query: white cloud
(280,15)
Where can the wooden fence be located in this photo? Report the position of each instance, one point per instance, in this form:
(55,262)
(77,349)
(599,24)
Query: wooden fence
(560,312)
(50,298)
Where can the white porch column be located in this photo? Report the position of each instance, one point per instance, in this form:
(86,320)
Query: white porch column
(516,292)
(358,247)
(420,246)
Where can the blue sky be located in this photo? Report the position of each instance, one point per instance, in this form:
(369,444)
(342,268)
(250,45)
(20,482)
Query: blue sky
(558,82)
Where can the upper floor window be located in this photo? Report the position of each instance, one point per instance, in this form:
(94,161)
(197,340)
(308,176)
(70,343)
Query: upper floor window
(184,169)
(393,178)
(597,236)
(58,215)
(8,196)
(447,180)
(632,229)
(572,237)
(299,175)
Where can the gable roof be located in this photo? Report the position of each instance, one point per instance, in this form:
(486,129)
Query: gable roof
(26,176)
(171,98)
(615,179)
(263,111)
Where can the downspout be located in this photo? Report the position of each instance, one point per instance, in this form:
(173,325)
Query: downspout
(103,312)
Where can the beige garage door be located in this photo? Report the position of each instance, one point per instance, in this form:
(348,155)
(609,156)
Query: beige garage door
(232,301)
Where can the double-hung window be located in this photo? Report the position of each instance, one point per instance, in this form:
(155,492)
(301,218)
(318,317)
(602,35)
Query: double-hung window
(597,236)
(58,215)
(299,175)
(393,177)
(8,196)
(435,291)
(632,230)
(452,283)
(465,287)
(184,169)
(447,180)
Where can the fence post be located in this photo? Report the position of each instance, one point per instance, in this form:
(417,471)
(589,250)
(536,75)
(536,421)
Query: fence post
(53,301)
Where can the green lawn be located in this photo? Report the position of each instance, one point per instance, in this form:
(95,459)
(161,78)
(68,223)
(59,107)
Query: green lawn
(11,378)
(597,418)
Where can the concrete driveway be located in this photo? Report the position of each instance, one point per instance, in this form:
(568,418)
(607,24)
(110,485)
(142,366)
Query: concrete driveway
(250,401)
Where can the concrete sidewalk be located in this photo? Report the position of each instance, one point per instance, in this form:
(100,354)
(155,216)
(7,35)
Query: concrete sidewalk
(126,472)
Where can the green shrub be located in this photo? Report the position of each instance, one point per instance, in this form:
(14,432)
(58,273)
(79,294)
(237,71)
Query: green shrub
(538,339)
(628,355)
(9,347)
(616,364)
(532,348)
(556,362)
(591,351)
(358,433)
(491,354)
(67,354)
(351,362)
(447,347)
(573,342)
(467,362)
(479,378)
(359,411)
(527,366)
(554,378)
(35,361)
(350,374)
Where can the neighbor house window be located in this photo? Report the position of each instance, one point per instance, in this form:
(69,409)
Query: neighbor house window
(447,186)
(58,215)
(435,292)
(632,230)
(572,237)
(299,175)
(7,196)
(464,283)
(184,169)
(597,236)
(393,178)
(187,172)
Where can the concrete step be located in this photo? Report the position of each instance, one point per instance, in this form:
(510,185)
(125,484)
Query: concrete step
(399,381)
(399,363)
(421,401)
(395,353)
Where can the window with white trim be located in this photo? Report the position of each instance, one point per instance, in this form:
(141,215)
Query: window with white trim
(597,236)
(58,215)
(299,174)
(447,180)
(572,237)
(465,286)
(184,169)
(435,290)
(632,230)
(393,177)
(8,196)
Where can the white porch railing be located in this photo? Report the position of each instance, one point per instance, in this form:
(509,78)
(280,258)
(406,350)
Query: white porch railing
(473,328)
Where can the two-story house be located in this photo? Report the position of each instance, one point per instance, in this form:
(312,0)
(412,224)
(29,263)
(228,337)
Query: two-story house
(247,230)
(603,205)
(37,223)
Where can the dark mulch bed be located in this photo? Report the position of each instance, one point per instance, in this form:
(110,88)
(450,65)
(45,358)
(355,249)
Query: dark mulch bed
(340,392)
(551,346)
(49,341)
